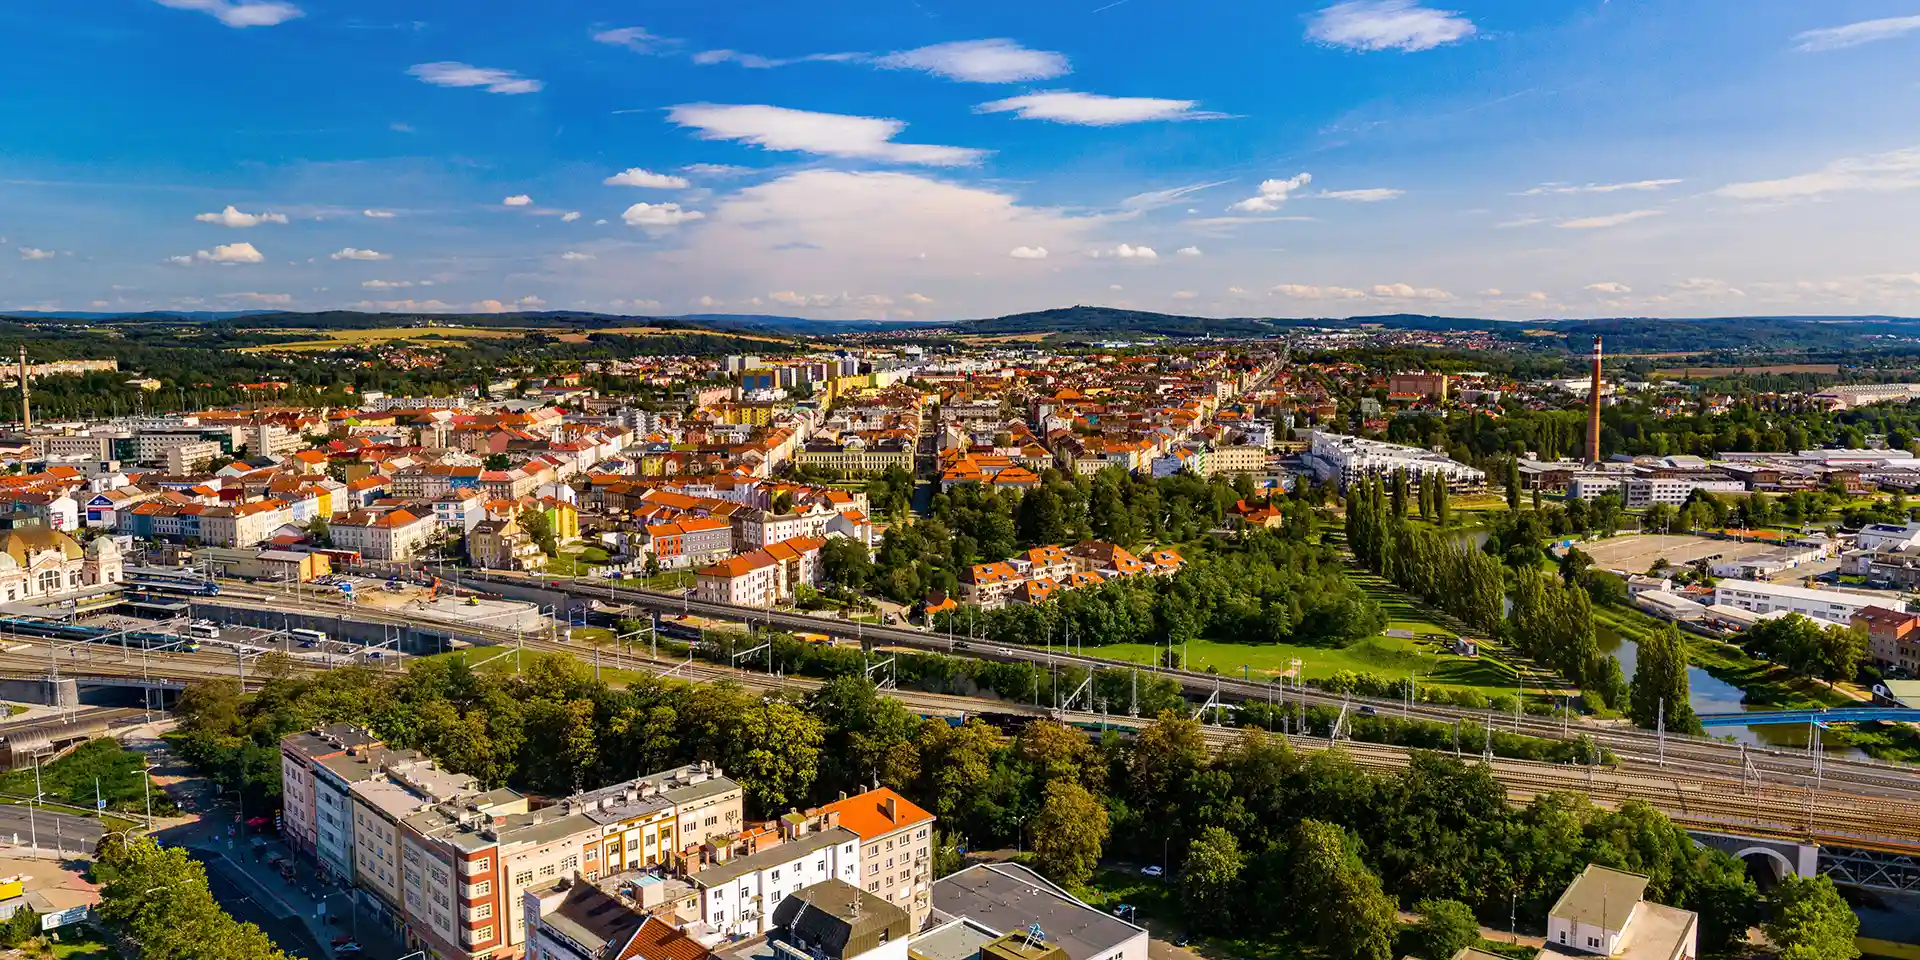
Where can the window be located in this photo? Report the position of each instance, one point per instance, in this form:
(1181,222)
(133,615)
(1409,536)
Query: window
(873,887)
(776,876)
(633,843)
(481,889)
(719,916)
(889,863)
(872,869)
(570,864)
(483,934)
(1563,936)
(1593,942)
(593,853)
(547,871)
(483,911)
(922,835)
(712,820)
(523,878)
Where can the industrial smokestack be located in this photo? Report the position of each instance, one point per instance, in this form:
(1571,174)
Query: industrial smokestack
(1593,409)
(26,396)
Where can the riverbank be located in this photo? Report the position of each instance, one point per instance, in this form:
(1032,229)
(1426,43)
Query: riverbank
(1760,684)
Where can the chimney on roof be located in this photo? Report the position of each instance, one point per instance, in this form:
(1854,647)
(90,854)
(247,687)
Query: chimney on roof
(889,807)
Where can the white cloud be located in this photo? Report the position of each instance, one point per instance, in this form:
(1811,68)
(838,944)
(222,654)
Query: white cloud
(1520,222)
(570,216)
(1095,110)
(1490,292)
(1563,188)
(1855,34)
(1609,220)
(1028,253)
(1401,291)
(404,306)
(182,260)
(1187,252)
(634,304)
(239,13)
(355,253)
(378,214)
(705,301)
(1184,295)
(518,200)
(507,306)
(636,177)
(918,299)
(715,170)
(1608,286)
(449,73)
(1370,25)
(659,215)
(1880,172)
(1369,195)
(232,217)
(827,301)
(1537,296)
(229,253)
(1303,292)
(1116,288)
(636,39)
(981,61)
(1272,194)
(34,253)
(276,299)
(828,134)
(394,284)
(576,255)
(1128,252)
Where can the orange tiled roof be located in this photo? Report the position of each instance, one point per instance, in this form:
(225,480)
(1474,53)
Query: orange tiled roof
(866,814)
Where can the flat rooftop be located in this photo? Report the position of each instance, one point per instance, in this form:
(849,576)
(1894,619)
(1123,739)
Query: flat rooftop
(1006,897)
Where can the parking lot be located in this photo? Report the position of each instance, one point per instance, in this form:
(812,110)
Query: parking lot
(1636,553)
(309,645)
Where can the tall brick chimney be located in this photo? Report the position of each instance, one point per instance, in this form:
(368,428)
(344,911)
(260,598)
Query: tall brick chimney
(1593,408)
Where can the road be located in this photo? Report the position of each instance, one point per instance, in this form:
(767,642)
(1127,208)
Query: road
(57,831)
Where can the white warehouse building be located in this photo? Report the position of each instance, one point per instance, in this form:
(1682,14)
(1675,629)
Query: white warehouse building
(1354,458)
(1826,606)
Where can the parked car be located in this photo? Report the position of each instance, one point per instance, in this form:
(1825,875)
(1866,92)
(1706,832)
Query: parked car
(1152,870)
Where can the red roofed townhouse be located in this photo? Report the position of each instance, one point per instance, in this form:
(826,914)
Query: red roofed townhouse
(395,535)
(763,578)
(690,542)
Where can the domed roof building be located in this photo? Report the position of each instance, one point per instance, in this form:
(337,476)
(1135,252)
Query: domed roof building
(36,562)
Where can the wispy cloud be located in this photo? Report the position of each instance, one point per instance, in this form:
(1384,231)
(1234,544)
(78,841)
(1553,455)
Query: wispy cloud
(1155,199)
(637,39)
(754,61)
(448,73)
(355,253)
(35,253)
(1553,189)
(1855,34)
(1608,286)
(1609,220)
(1370,195)
(827,134)
(1370,25)
(1028,253)
(239,13)
(1880,172)
(1096,110)
(378,214)
(981,61)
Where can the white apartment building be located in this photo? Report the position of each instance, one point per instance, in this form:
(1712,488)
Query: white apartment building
(1647,491)
(395,535)
(1826,606)
(739,894)
(1347,459)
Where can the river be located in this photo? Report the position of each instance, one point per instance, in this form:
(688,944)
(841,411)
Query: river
(1713,695)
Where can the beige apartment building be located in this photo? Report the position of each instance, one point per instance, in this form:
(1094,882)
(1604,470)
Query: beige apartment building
(896,853)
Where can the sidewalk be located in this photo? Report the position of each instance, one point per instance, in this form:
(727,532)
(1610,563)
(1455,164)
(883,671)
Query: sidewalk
(296,903)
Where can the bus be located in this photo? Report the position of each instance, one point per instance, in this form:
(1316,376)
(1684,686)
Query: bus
(308,638)
(204,631)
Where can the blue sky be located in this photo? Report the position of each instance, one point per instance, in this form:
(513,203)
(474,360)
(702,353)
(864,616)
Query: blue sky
(943,159)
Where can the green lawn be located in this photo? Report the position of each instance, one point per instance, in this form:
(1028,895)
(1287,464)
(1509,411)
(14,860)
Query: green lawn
(1157,909)
(82,943)
(72,778)
(668,581)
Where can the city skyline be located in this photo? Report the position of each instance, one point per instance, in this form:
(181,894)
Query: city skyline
(924,161)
